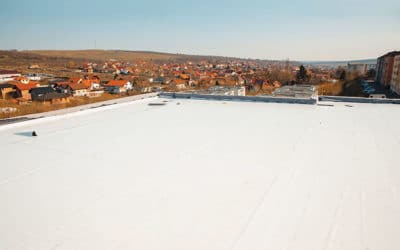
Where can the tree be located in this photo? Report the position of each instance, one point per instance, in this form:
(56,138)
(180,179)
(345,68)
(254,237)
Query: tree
(340,74)
(302,75)
(282,76)
(72,65)
(371,73)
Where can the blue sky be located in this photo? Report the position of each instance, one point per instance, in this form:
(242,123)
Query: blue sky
(298,30)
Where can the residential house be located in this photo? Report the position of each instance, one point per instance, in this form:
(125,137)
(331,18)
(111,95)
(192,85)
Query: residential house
(63,87)
(78,89)
(185,77)
(118,86)
(92,83)
(22,89)
(179,83)
(76,86)
(158,80)
(144,89)
(48,95)
(34,66)
(22,79)
(36,93)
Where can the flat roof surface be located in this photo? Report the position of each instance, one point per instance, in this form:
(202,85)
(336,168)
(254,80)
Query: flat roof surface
(204,175)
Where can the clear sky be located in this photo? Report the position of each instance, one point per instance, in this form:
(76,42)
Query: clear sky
(280,29)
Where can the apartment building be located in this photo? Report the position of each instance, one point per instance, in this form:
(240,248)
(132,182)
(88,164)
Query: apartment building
(384,70)
(395,81)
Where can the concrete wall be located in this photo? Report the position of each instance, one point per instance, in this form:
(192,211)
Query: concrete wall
(357,100)
(240,98)
(280,99)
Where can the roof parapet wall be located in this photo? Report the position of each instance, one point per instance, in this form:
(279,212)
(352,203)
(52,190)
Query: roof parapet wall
(272,99)
(357,99)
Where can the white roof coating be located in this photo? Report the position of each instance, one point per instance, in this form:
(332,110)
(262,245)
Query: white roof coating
(204,175)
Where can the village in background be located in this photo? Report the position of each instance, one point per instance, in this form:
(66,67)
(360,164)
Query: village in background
(39,81)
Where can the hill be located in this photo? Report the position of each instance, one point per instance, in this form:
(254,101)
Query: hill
(103,55)
(123,55)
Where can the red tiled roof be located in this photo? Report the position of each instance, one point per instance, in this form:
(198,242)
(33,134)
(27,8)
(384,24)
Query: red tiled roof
(118,83)
(28,86)
(75,79)
(21,78)
(179,81)
(77,86)
(184,77)
(88,82)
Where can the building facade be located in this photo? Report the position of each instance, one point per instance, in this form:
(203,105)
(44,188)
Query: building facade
(384,71)
(395,81)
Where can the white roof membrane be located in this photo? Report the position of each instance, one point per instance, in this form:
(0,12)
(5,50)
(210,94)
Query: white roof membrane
(204,175)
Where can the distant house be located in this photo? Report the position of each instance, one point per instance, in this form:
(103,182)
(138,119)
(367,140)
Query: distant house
(158,80)
(91,83)
(179,83)
(144,89)
(184,77)
(48,95)
(34,66)
(118,86)
(22,79)
(62,87)
(23,89)
(95,93)
(7,90)
(36,93)
(85,90)
(79,89)
(87,86)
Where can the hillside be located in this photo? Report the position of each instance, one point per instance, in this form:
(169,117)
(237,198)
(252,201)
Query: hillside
(59,58)
(103,55)
(54,62)
(123,55)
